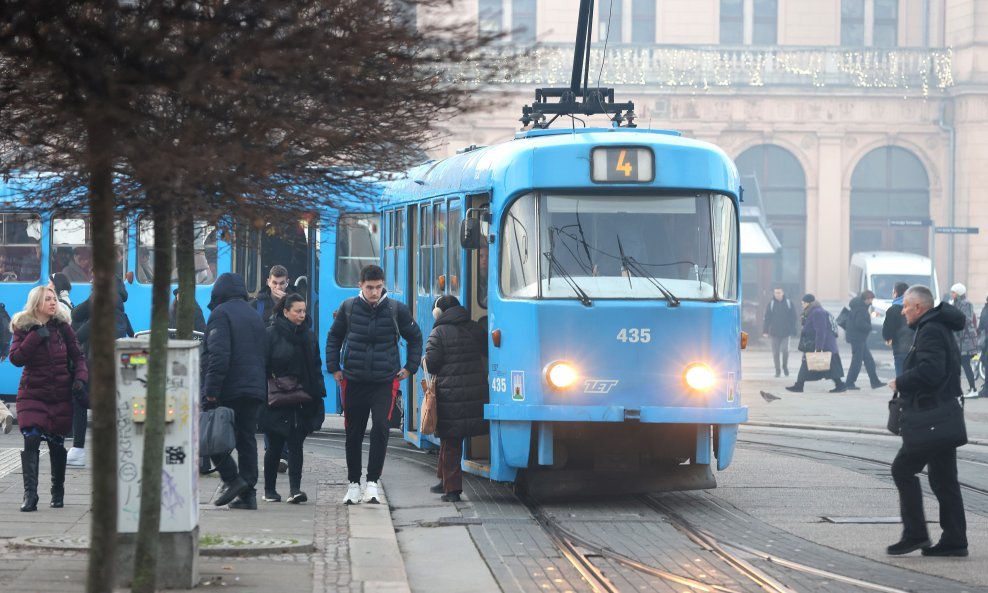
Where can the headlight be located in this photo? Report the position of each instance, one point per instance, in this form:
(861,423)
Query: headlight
(699,376)
(560,374)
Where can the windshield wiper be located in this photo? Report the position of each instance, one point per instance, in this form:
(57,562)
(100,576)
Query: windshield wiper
(633,266)
(554,263)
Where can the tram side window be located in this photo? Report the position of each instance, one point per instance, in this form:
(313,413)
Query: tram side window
(358,238)
(204,254)
(439,283)
(455,251)
(425,249)
(391,245)
(71,247)
(20,252)
(519,252)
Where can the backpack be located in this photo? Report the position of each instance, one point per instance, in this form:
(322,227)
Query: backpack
(843,317)
(833,324)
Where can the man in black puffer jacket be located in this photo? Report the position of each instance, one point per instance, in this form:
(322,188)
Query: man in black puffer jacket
(856,332)
(455,353)
(367,327)
(232,375)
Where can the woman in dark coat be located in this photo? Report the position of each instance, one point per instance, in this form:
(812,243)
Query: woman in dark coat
(292,350)
(455,354)
(818,336)
(44,344)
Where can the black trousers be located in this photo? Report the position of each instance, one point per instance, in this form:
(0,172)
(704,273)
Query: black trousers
(861,354)
(277,443)
(780,348)
(942,473)
(363,401)
(245,411)
(968,370)
(80,420)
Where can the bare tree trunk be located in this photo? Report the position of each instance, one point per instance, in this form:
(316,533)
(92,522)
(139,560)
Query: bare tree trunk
(102,372)
(146,554)
(185,237)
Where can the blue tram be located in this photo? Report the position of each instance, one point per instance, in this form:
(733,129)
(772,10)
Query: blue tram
(604,263)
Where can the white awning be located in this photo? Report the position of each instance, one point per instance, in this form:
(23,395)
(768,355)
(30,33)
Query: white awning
(757,240)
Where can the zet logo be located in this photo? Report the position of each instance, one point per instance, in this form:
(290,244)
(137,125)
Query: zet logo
(599,385)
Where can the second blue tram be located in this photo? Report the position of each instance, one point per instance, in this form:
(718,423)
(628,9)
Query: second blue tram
(604,263)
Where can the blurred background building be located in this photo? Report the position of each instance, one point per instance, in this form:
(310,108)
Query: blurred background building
(847,115)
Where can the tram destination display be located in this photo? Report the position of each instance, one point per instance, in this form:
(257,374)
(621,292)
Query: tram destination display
(622,164)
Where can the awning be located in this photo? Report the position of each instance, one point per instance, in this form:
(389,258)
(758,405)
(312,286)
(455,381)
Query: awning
(756,239)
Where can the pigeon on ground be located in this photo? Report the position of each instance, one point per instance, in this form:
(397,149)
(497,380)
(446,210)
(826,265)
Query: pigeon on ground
(768,396)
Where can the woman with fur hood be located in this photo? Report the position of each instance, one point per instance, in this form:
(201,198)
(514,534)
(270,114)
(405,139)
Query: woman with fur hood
(45,346)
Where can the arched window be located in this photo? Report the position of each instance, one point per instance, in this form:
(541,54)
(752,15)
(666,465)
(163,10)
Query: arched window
(782,189)
(889,183)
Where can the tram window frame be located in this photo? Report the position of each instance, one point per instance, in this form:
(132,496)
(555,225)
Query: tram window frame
(121,234)
(32,219)
(424,250)
(346,275)
(146,277)
(392,244)
(440,228)
(454,217)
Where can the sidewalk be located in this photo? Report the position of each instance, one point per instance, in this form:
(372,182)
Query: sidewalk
(318,546)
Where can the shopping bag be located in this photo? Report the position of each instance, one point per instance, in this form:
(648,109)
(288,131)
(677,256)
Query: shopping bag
(216,433)
(428,413)
(818,361)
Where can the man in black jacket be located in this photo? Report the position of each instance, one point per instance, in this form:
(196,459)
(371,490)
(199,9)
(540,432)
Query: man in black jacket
(271,293)
(856,331)
(932,367)
(780,323)
(895,331)
(232,375)
(368,326)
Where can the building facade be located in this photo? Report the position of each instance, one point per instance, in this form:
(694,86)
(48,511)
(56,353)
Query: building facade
(863,122)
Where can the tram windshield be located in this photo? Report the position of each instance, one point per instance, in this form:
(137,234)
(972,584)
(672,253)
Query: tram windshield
(620,247)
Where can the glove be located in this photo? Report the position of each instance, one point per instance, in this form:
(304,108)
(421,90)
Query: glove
(78,385)
(209,403)
(42,331)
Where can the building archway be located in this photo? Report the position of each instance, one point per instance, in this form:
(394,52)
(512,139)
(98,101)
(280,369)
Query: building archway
(890,183)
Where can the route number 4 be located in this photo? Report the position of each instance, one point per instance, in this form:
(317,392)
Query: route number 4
(635,335)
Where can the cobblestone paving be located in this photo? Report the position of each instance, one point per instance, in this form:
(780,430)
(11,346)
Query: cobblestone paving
(331,559)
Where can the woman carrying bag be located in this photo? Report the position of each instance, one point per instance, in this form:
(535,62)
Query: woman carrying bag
(817,336)
(455,354)
(295,395)
(45,346)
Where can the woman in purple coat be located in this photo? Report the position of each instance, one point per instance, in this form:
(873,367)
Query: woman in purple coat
(45,345)
(818,336)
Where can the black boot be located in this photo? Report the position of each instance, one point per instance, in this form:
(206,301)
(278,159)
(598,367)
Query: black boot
(29,467)
(58,456)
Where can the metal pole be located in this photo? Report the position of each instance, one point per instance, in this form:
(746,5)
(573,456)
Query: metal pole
(581,45)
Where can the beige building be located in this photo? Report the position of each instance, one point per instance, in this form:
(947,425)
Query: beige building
(849,114)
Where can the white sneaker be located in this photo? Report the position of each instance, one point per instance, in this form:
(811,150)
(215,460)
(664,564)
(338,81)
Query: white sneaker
(352,494)
(371,494)
(970,394)
(76,458)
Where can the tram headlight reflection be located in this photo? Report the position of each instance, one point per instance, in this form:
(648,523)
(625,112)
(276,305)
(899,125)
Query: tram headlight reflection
(699,377)
(561,374)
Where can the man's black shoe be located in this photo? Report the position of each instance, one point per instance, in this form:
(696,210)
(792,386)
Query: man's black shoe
(437,488)
(942,550)
(795,388)
(247,502)
(906,546)
(840,389)
(229,490)
(851,387)
(877,385)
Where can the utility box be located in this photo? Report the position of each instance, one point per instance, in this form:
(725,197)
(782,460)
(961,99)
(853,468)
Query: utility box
(179,540)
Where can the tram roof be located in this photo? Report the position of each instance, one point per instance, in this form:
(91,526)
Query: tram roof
(529,161)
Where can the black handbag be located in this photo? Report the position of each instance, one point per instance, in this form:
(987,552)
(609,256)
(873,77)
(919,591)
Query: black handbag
(895,411)
(216,433)
(807,341)
(931,423)
(286,391)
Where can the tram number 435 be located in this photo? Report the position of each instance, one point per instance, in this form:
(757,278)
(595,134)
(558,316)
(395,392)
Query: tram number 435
(635,335)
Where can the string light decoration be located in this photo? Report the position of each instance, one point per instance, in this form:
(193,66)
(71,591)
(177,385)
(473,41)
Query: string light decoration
(708,68)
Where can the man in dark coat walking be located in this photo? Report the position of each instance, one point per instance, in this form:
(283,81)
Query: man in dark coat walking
(455,354)
(932,367)
(856,332)
(780,323)
(895,331)
(369,326)
(232,375)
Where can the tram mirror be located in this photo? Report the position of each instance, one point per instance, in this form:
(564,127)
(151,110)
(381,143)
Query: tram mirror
(471,236)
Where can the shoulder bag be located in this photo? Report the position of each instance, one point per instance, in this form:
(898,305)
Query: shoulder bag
(429,413)
(931,423)
(286,391)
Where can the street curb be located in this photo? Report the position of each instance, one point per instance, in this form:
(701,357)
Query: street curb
(227,546)
(852,429)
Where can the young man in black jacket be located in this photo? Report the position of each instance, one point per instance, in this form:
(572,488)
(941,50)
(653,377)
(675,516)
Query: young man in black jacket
(895,331)
(369,326)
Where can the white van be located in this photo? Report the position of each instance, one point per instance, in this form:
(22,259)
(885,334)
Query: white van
(878,271)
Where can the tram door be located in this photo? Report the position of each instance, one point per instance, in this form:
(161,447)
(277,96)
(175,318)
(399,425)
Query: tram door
(291,245)
(477,451)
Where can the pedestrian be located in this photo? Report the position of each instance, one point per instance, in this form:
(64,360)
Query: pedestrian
(54,374)
(455,354)
(982,344)
(932,367)
(967,337)
(60,283)
(232,375)
(780,324)
(266,300)
(292,352)
(198,323)
(856,332)
(817,335)
(895,331)
(81,317)
(369,326)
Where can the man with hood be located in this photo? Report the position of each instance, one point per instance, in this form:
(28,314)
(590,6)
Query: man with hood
(818,336)
(932,367)
(368,327)
(232,375)
(856,333)
(895,331)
